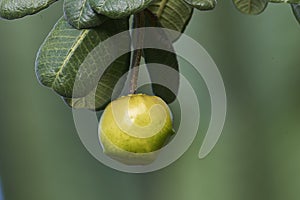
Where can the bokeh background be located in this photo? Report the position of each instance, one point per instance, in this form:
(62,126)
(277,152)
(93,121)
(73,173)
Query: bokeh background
(257,156)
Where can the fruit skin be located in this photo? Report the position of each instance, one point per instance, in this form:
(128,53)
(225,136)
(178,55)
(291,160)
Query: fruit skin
(133,128)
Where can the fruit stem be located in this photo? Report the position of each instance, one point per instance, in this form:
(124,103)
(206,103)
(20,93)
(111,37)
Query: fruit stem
(138,41)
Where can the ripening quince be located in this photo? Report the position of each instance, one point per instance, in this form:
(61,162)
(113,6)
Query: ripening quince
(134,128)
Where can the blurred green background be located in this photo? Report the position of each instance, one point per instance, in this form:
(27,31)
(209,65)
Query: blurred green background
(257,156)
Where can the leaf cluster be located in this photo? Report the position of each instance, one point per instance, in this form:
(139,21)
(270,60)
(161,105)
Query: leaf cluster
(74,47)
(86,24)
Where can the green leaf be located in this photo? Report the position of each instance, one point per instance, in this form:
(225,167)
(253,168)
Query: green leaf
(154,58)
(80,14)
(118,8)
(284,1)
(12,9)
(172,14)
(296,11)
(100,96)
(202,4)
(252,7)
(64,52)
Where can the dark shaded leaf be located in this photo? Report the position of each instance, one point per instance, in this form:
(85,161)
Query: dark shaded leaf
(296,11)
(165,79)
(172,14)
(12,9)
(80,14)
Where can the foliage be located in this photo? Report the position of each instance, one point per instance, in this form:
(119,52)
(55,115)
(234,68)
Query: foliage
(87,23)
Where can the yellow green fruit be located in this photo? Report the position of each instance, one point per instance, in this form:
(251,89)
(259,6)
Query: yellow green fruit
(133,128)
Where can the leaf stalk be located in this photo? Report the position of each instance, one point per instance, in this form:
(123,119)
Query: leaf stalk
(138,41)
